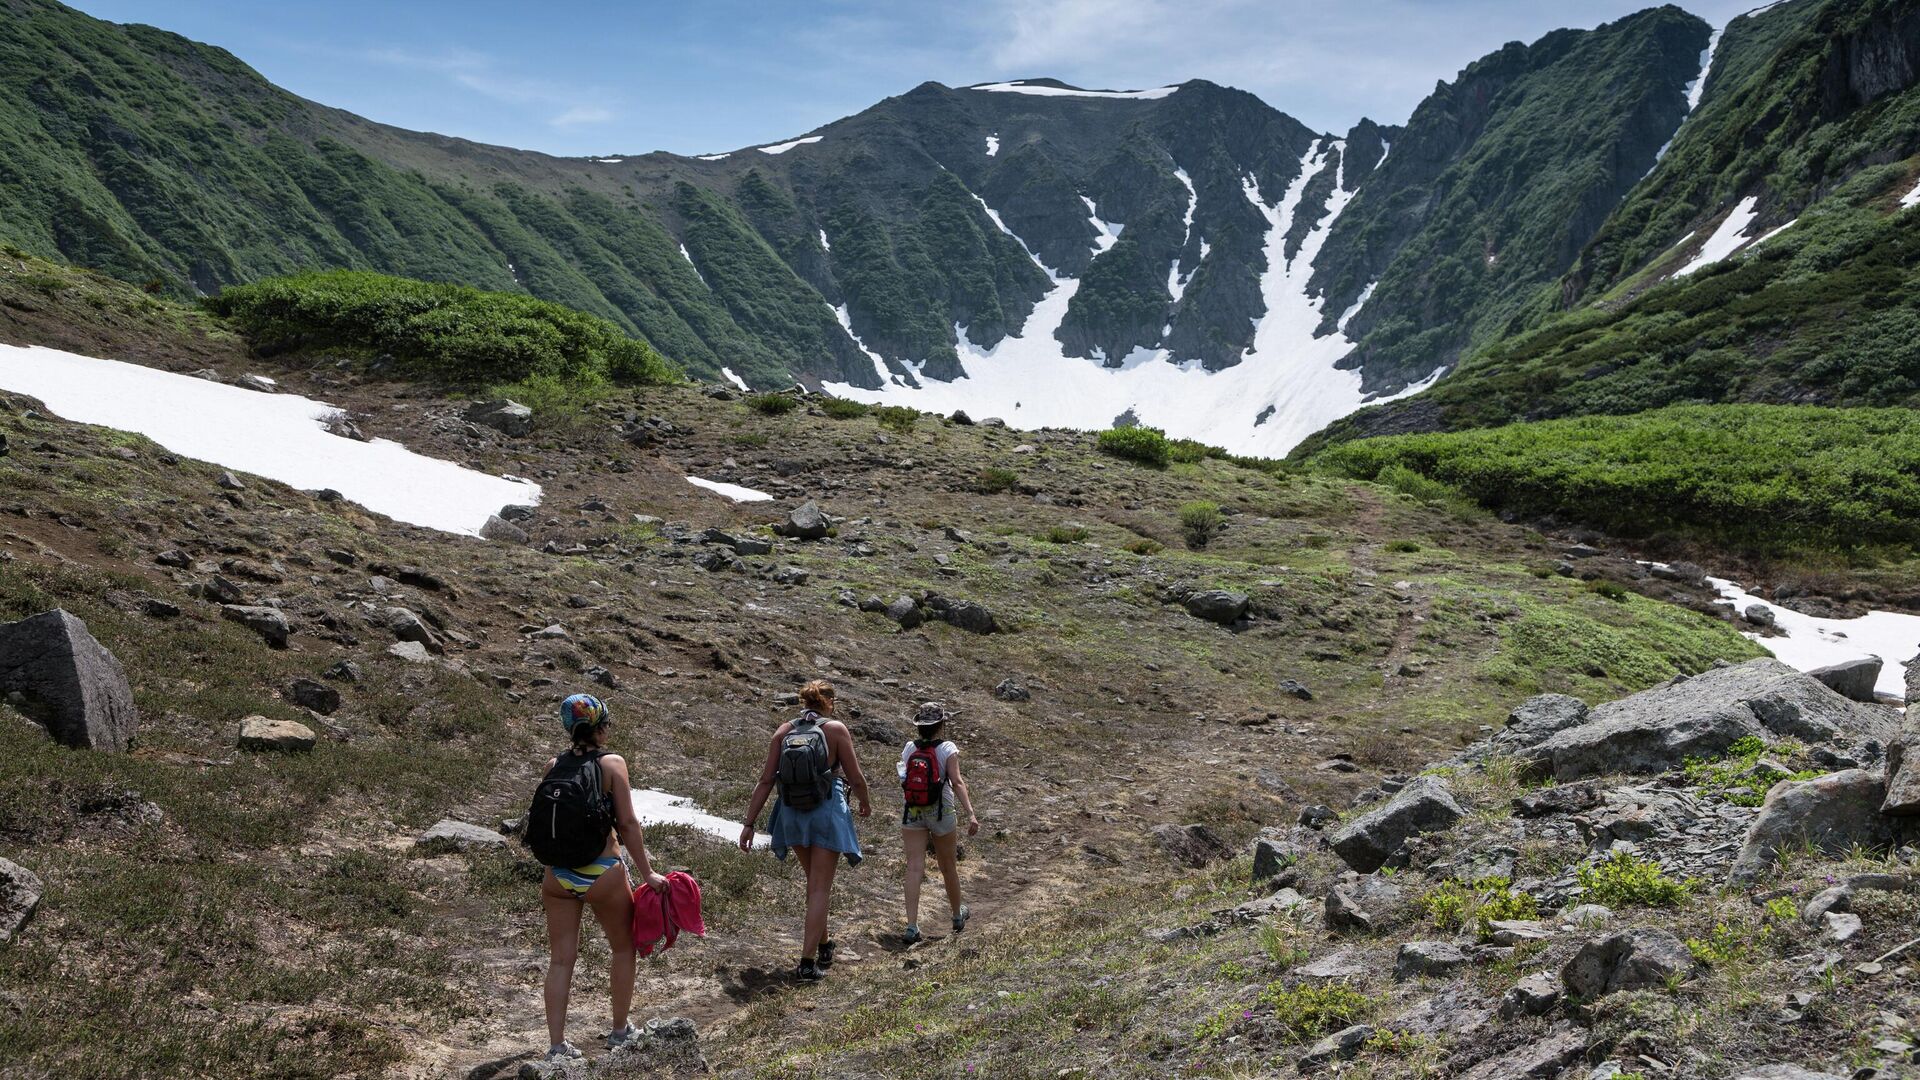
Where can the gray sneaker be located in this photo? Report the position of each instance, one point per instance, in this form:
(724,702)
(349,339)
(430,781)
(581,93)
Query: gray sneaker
(618,1039)
(911,935)
(960,918)
(563,1052)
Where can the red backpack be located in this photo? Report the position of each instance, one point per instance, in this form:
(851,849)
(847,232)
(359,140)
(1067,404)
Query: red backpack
(923,782)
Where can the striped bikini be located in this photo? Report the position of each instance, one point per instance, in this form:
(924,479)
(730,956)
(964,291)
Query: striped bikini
(578,881)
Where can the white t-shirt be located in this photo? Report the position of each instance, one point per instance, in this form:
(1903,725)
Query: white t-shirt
(943,754)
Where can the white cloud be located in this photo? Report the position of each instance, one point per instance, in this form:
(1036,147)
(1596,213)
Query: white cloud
(582,116)
(485,75)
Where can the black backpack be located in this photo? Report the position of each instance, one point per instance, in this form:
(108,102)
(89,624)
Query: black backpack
(805,781)
(571,815)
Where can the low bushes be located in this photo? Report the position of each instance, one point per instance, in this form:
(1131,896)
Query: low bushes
(1147,446)
(1200,522)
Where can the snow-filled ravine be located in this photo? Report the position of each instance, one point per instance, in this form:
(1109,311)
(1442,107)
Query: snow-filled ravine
(1284,389)
(279,436)
(1808,642)
(654,807)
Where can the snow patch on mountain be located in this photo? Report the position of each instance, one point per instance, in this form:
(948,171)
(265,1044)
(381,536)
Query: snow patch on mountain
(735,379)
(1289,374)
(1068,91)
(687,255)
(712,157)
(1810,642)
(994,216)
(1727,239)
(279,436)
(1358,303)
(730,491)
(879,363)
(1176,282)
(823,241)
(781,148)
(993,145)
(1911,199)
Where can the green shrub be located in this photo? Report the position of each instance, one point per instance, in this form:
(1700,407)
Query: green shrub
(1145,445)
(993,481)
(844,408)
(556,401)
(1452,905)
(897,418)
(1729,944)
(772,404)
(1735,776)
(1404,547)
(1308,1012)
(1191,452)
(451,332)
(1612,590)
(1144,546)
(1621,879)
(1412,484)
(1064,534)
(1200,522)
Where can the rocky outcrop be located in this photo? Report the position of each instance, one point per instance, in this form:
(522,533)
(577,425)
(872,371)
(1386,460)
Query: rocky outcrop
(502,415)
(1701,717)
(450,834)
(20,892)
(1636,959)
(1853,680)
(1367,842)
(261,733)
(53,670)
(267,622)
(1832,813)
(1189,845)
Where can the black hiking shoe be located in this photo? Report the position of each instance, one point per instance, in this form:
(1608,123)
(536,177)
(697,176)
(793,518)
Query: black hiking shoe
(808,971)
(960,918)
(826,956)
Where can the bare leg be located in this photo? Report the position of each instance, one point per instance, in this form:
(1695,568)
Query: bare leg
(803,855)
(824,862)
(612,901)
(944,850)
(563,948)
(915,842)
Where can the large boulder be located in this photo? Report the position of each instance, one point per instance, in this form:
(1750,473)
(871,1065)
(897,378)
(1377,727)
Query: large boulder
(1659,729)
(1219,606)
(1190,845)
(20,892)
(264,734)
(499,528)
(505,416)
(1543,716)
(963,614)
(458,835)
(1425,805)
(269,623)
(67,682)
(1853,679)
(1635,959)
(805,522)
(1903,770)
(1833,813)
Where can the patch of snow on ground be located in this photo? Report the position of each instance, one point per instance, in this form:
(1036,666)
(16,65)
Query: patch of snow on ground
(1029,382)
(687,255)
(994,216)
(712,157)
(1108,231)
(1727,239)
(1061,91)
(824,245)
(1771,233)
(608,160)
(1358,303)
(993,145)
(1815,643)
(1911,198)
(278,436)
(1698,87)
(731,491)
(655,807)
(1176,284)
(735,379)
(781,148)
(879,364)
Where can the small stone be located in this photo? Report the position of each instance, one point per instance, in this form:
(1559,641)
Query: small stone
(1428,958)
(448,833)
(1842,927)
(317,696)
(1339,1046)
(261,733)
(267,622)
(231,482)
(411,651)
(1535,995)
(343,671)
(1344,914)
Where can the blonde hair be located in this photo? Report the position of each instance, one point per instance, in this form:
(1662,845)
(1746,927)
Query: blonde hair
(817,695)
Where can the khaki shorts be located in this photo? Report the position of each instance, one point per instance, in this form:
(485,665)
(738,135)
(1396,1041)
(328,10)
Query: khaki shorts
(934,820)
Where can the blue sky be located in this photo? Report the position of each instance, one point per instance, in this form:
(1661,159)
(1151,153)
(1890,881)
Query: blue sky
(577,77)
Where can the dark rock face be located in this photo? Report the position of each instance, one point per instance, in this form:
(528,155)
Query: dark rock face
(66,681)
(1189,845)
(1832,812)
(1425,805)
(1634,959)
(317,696)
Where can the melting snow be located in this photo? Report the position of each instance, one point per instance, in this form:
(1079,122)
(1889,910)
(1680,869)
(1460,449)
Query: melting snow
(712,157)
(1726,239)
(731,491)
(735,379)
(655,807)
(781,148)
(1358,303)
(994,216)
(1773,232)
(685,254)
(1062,91)
(278,436)
(1698,87)
(879,364)
(608,160)
(1811,642)
(1109,231)
(1176,284)
(1911,198)
(993,145)
(1028,381)
(823,240)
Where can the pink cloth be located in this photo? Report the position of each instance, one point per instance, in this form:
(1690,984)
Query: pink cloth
(658,919)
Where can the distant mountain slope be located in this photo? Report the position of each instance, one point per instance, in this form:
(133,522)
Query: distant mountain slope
(1773,256)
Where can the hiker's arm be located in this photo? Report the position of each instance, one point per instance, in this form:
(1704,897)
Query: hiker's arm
(763,790)
(626,822)
(960,787)
(850,761)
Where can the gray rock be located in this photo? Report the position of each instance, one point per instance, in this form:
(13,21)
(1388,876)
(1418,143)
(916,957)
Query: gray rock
(1189,845)
(1508,932)
(1347,963)
(404,625)
(499,528)
(1560,799)
(1854,679)
(1344,915)
(1011,690)
(1219,606)
(20,893)
(343,671)
(1539,1059)
(791,575)
(411,651)
(1758,615)
(1295,689)
(1636,959)
(1903,761)
(1832,812)
(1837,898)
(1587,916)
(1428,958)
(1782,1071)
(503,415)
(259,733)
(66,681)
(1271,855)
(963,615)
(752,545)
(272,626)
(232,482)
(906,612)
(1545,714)
(805,522)
(1842,927)
(1318,816)
(448,833)
(317,696)
(1535,995)
(1425,805)
(1656,730)
(1339,1046)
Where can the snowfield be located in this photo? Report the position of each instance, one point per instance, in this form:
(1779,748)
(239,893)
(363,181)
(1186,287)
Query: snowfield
(1727,239)
(781,148)
(279,436)
(735,379)
(1063,91)
(1285,388)
(1911,199)
(730,491)
(655,807)
(1811,643)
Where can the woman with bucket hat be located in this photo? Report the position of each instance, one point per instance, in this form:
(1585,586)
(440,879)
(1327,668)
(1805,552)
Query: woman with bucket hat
(930,780)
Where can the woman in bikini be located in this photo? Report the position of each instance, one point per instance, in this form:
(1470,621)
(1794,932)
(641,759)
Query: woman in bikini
(602,885)
(821,830)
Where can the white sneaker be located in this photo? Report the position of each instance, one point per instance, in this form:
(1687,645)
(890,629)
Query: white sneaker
(618,1039)
(563,1052)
